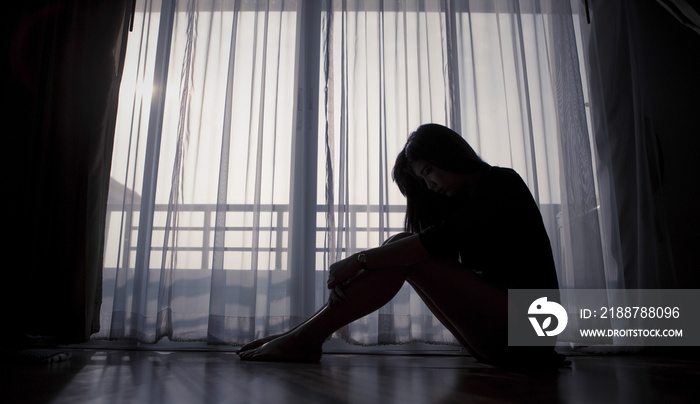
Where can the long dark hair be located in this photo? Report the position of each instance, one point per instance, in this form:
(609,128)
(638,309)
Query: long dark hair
(443,148)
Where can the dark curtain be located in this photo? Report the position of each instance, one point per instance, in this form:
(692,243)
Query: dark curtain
(645,101)
(64,61)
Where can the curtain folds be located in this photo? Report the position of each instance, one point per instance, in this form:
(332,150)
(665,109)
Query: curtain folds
(63,69)
(255,144)
(684,11)
(631,160)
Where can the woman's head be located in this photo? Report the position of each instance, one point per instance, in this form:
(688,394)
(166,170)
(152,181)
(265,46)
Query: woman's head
(433,165)
(442,147)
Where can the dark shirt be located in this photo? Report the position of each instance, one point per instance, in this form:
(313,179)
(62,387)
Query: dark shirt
(498,233)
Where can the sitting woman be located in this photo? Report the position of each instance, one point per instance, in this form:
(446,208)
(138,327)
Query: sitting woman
(473,231)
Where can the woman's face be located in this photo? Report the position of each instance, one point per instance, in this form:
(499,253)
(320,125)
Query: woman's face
(438,180)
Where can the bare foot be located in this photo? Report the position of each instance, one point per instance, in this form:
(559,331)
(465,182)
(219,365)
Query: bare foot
(258,343)
(285,348)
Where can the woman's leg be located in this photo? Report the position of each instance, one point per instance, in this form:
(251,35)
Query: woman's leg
(441,317)
(364,295)
(469,307)
(472,309)
(475,311)
(358,309)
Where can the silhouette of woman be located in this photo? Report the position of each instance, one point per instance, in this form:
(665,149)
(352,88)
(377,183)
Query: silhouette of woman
(472,231)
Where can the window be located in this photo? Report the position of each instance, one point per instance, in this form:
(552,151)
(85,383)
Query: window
(255,142)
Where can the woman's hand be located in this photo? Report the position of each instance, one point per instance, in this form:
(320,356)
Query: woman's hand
(341,274)
(343,270)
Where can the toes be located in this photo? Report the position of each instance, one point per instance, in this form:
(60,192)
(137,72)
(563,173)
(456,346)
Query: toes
(247,355)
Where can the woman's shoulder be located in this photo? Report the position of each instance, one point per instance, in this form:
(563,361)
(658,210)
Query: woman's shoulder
(502,182)
(502,171)
(502,174)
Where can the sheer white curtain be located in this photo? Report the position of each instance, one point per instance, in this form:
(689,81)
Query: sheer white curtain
(256,140)
(199,219)
(505,74)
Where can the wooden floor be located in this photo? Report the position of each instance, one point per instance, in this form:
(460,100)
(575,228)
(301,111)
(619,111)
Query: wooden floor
(129,376)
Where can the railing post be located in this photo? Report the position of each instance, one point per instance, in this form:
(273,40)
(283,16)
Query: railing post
(279,233)
(206,236)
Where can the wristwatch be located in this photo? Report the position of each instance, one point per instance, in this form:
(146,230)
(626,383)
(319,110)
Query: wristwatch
(362,259)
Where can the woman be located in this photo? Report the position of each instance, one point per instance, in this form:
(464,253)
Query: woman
(472,232)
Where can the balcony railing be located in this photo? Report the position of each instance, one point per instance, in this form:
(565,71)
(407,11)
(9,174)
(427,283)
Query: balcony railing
(365,226)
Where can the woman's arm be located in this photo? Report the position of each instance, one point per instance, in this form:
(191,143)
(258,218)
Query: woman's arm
(401,250)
